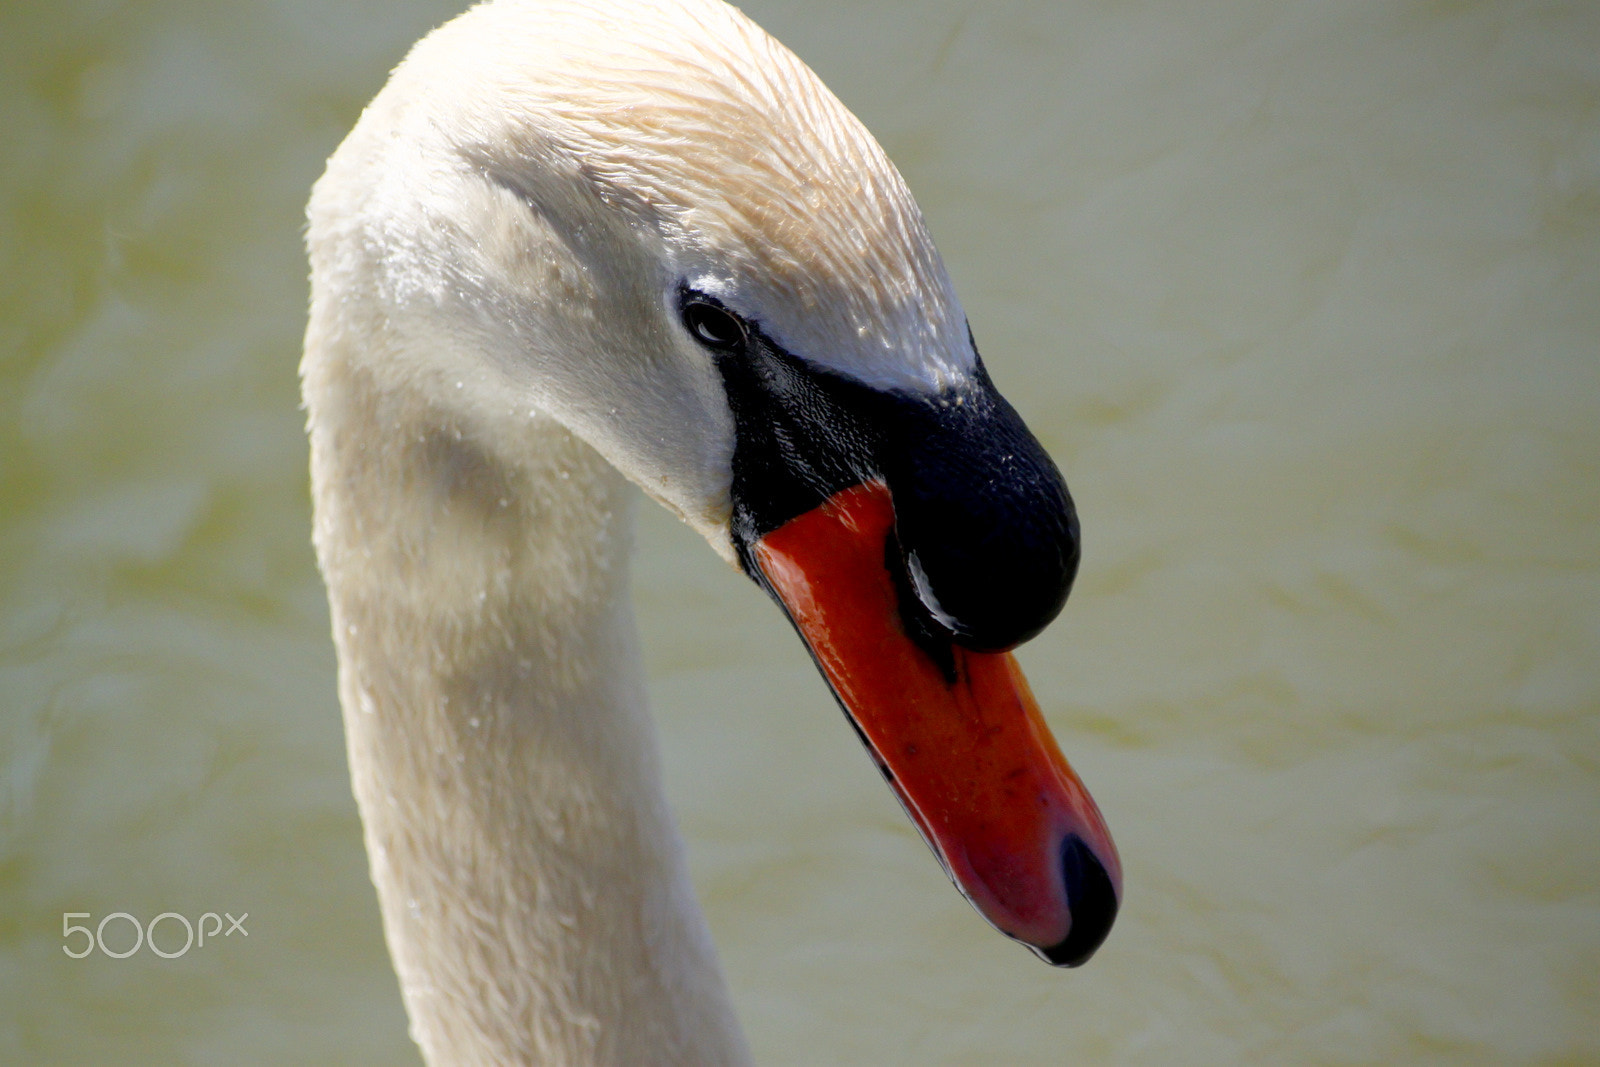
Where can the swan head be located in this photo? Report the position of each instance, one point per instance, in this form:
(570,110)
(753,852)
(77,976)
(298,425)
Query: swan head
(654,225)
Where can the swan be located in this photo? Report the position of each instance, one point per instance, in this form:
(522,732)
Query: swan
(576,246)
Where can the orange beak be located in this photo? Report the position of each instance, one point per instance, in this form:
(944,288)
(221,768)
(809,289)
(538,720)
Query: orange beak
(961,742)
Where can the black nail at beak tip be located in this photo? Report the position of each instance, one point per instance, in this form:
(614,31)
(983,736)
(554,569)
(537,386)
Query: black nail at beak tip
(1093,902)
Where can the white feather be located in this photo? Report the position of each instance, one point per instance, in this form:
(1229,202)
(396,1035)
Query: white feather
(493,348)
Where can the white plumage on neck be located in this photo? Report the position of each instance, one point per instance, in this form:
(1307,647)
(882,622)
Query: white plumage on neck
(492,354)
(532,882)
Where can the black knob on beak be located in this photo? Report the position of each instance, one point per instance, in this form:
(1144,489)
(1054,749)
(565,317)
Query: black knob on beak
(986,527)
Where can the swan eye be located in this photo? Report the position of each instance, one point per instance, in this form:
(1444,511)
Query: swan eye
(712,326)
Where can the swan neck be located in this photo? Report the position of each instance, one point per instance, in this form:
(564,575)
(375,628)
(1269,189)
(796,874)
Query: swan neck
(532,881)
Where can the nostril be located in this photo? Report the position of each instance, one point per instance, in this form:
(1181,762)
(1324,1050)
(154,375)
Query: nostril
(923,588)
(1090,898)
